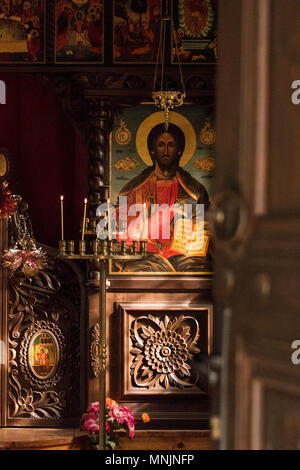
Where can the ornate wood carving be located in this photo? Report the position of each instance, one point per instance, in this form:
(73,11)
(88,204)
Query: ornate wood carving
(101,119)
(113,80)
(28,403)
(28,304)
(39,304)
(100,123)
(162,350)
(160,344)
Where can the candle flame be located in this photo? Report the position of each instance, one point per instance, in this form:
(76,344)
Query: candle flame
(108,201)
(85,201)
(61,198)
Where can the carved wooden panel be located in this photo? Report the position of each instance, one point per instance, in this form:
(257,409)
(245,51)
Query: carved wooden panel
(43,381)
(160,342)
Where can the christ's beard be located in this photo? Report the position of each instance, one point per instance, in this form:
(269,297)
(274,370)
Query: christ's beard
(168,166)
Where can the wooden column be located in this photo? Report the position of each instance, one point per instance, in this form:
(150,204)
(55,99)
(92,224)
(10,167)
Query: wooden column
(101,119)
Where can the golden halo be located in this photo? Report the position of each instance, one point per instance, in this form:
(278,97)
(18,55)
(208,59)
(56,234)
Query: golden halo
(158,118)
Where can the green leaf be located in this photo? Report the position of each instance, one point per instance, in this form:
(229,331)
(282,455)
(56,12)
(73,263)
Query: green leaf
(111,444)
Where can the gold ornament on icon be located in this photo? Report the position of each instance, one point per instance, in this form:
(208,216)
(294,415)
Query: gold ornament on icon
(123,134)
(207,134)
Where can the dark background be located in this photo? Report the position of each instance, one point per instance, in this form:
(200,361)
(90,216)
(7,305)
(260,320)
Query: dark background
(48,157)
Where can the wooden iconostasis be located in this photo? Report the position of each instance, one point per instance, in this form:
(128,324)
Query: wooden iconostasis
(74,115)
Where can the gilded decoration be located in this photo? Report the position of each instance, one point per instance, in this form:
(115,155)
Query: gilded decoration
(207,134)
(94,350)
(123,134)
(162,350)
(126,165)
(205,164)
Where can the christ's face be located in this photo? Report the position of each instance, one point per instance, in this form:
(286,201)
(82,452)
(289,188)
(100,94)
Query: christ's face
(166,151)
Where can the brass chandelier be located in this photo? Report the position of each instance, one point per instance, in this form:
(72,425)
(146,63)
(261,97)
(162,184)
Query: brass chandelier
(164,99)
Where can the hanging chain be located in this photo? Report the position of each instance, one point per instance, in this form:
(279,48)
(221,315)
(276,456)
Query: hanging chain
(167,99)
(178,57)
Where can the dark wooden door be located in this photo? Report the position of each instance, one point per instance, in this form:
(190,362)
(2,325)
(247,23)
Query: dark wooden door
(256,220)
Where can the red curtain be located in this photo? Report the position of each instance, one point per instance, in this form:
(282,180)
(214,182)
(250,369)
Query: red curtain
(48,157)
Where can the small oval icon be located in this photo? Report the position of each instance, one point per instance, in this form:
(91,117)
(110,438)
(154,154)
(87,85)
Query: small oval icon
(43,354)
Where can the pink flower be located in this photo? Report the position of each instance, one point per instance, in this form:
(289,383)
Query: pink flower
(128,416)
(131,431)
(94,407)
(94,428)
(117,418)
(88,424)
(116,413)
(93,416)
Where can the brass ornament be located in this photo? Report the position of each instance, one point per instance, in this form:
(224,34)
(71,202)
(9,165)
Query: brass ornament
(94,350)
(162,349)
(102,358)
(207,134)
(123,134)
(168,100)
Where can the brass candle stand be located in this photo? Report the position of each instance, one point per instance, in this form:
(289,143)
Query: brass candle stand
(102,250)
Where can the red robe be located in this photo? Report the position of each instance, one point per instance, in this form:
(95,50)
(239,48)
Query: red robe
(152,190)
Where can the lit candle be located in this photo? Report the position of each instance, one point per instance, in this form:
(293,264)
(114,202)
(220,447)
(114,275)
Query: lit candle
(84,219)
(62,216)
(108,220)
(145,223)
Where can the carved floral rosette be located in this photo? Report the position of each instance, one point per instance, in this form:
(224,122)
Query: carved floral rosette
(56,373)
(163,349)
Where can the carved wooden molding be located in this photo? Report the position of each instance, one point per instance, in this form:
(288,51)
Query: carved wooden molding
(160,341)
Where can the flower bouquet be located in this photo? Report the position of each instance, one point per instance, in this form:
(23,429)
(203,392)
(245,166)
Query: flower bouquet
(119,419)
